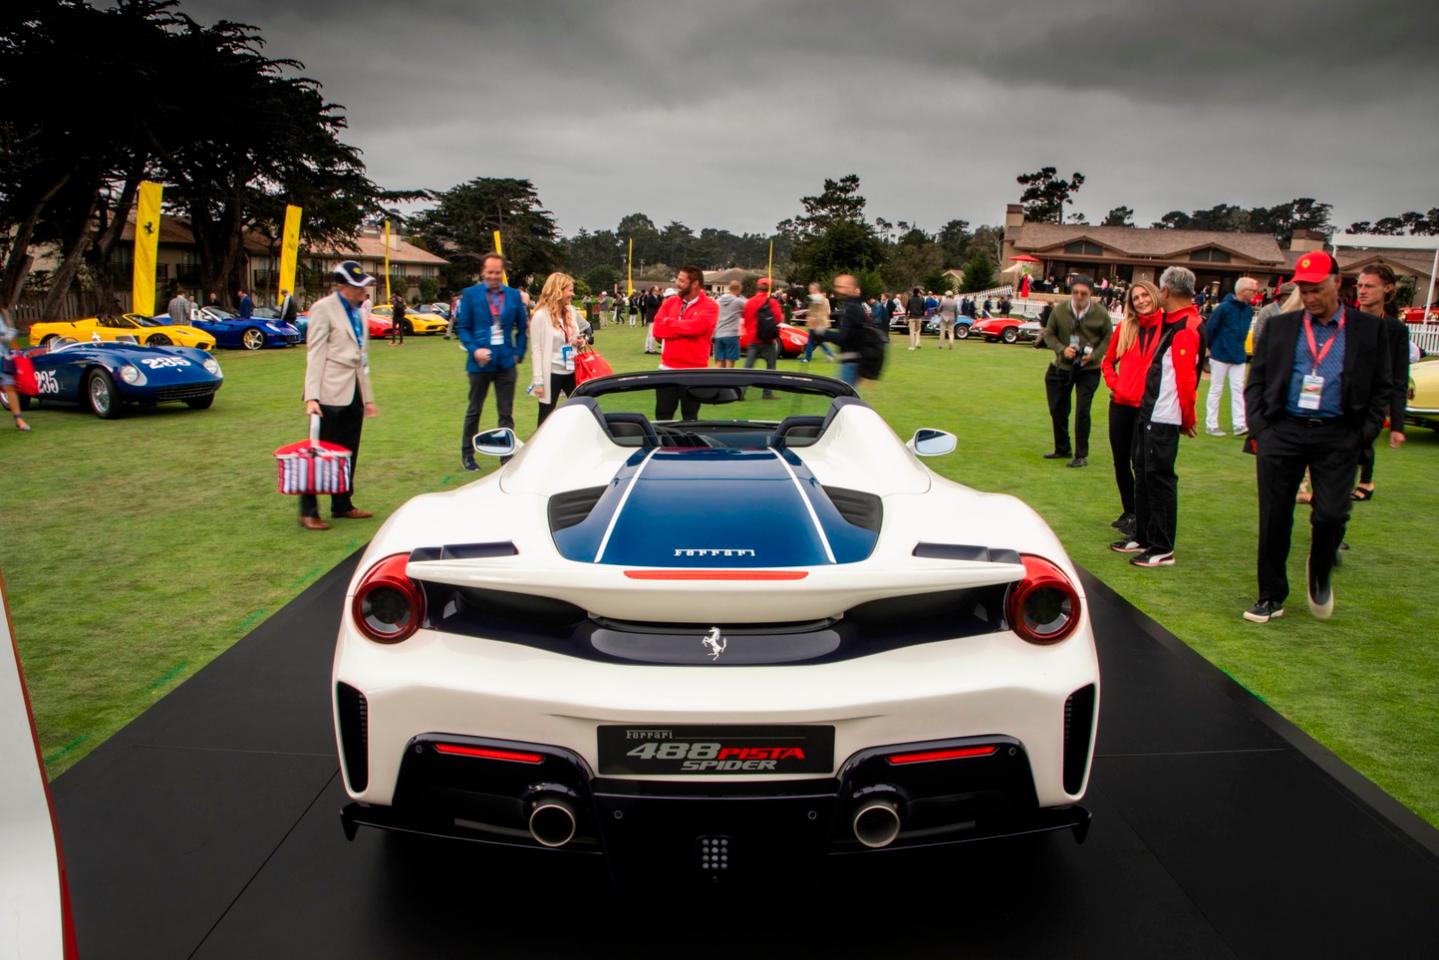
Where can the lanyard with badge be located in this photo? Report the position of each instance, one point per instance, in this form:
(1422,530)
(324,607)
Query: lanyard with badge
(1311,388)
(497,332)
(567,349)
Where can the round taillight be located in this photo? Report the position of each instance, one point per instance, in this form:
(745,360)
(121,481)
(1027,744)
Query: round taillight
(1042,608)
(388,606)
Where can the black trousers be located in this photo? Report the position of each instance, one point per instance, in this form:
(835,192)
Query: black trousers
(667,398)
(504,381)
(340,425)
(1328,450)
(1156,485)
(397,331)
(1122,419)
(769,352)
(1058,384)
(560,383)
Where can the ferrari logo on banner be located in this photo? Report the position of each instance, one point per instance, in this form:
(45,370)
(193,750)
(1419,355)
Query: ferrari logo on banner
(289,249)
(147,247)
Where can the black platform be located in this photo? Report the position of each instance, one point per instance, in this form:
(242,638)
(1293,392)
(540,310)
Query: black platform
(209,827)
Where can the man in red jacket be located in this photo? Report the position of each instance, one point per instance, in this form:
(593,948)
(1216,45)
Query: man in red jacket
(759,336)
(1166,411)
(686,324)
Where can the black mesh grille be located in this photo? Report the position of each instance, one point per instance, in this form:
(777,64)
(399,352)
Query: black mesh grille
(570,508)
(184,393)
(1078,721)
(859,508)
(354,734)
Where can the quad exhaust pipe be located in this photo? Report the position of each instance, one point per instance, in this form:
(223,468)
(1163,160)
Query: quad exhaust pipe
(552,820)
(876,822)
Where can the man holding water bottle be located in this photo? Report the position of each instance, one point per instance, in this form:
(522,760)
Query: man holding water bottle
(1078,332)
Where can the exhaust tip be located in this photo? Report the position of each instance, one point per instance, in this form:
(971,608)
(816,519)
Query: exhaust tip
(876,824)
(552,823)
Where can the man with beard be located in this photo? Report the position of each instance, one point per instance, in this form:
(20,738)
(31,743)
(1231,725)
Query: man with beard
(685,324)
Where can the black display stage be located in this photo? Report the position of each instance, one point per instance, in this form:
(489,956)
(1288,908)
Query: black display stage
(210,827)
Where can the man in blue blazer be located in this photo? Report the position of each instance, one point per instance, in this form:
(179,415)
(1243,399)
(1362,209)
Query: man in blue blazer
(493,325)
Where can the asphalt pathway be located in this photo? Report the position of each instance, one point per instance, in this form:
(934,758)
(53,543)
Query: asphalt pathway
(209,828)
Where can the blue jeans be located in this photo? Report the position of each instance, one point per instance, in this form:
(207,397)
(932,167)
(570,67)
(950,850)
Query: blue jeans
(809,348)
(849,373)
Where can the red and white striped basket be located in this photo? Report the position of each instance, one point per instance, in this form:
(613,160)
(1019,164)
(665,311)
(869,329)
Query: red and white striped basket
(313,466)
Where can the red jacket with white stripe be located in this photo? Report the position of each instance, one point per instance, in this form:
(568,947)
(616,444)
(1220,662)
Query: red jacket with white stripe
(1173,374)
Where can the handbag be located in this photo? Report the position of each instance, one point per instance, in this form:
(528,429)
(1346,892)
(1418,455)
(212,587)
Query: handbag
(314,466)
(24,373)
(589,365)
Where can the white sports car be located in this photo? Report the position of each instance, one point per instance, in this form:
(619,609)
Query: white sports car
(763,630)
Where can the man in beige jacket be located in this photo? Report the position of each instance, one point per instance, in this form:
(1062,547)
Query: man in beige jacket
(337,381)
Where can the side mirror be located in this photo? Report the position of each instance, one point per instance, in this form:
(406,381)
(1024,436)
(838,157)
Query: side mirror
(497,443)
(928,442)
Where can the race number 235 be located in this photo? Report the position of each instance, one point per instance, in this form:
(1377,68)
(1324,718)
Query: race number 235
(45,382)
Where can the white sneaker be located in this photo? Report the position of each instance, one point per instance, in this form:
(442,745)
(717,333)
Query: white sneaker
(1214,432)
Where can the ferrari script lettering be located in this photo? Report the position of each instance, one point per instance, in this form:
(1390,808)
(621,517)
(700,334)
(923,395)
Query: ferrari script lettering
(713,552)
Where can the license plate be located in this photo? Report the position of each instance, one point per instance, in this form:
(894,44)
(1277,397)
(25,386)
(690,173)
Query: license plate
(639,750)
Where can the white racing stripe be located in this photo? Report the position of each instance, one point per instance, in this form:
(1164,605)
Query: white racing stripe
(620,507)
(814,517)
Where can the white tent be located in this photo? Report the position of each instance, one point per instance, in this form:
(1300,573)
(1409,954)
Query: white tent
(1376,241)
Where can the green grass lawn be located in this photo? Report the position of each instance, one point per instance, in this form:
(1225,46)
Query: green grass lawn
(134,551)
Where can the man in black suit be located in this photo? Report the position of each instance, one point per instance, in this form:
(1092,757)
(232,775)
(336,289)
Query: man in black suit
(1318,388)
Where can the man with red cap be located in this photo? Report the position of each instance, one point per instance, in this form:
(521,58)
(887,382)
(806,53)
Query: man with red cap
(1318,387)
(759,332)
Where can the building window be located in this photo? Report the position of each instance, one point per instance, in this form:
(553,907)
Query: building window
(1211,255)
(1084,248)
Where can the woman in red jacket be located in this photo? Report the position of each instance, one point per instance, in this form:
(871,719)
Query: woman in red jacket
(1125,366)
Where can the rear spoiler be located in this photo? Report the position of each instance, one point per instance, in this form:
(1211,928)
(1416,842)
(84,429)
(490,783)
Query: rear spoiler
(690,594)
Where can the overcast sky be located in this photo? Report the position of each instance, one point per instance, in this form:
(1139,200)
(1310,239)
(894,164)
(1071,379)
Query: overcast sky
(725,113)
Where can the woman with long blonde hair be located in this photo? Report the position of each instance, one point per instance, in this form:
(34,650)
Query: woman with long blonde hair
(1125,367)
(557,331)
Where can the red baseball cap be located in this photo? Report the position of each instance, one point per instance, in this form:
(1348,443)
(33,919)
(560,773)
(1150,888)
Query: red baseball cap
(1314,267)
(762,282)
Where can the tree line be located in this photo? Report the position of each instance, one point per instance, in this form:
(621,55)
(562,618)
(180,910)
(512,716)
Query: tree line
(99,99)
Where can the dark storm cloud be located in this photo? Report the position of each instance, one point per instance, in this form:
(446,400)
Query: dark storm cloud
(726,113)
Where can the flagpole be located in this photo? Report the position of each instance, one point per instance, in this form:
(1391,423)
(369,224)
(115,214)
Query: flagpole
(769,271)
(388,297)
(630,270)
(500,249)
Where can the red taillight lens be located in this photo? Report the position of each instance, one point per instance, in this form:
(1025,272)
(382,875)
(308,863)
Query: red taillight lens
(488,753)
(1043,607)
(388,606)
(933,756)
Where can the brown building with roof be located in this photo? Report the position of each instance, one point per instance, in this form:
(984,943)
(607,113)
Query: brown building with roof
(1141,253)
(1216,256)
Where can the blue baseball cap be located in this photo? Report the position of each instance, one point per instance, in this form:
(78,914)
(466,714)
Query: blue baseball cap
(351,272)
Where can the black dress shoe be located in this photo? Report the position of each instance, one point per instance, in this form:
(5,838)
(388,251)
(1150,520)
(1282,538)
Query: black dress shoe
(469,463)
(1078,462)
(1058,455)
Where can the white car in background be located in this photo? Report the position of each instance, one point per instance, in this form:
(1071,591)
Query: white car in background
(765,633)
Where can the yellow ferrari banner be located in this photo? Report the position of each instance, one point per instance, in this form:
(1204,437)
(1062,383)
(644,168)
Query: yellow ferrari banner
(630,270)
(289,250)
(387,261)
(500,249)
(147,247)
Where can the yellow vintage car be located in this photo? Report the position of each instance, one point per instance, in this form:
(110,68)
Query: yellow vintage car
(1423,407)
(143,330)
(415,322)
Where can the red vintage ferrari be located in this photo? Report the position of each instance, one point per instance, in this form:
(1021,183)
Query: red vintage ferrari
(995,329)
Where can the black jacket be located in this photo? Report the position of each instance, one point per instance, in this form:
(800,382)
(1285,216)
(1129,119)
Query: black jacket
(1367,383)
(849,331)
(1398,333)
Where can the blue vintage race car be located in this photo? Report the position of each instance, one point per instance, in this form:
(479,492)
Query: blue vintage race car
(236,333)
(106,375)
